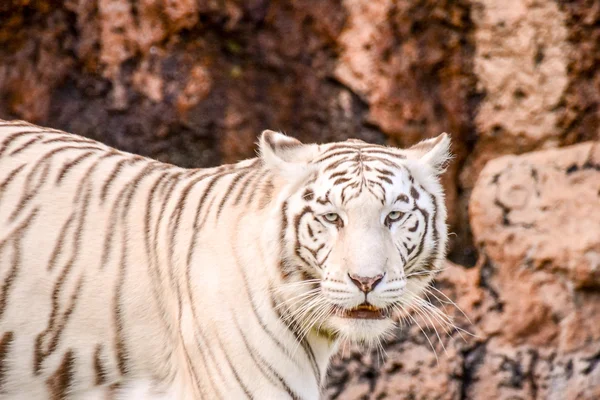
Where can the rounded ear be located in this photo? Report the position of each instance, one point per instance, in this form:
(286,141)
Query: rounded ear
(286,155)
(434,152)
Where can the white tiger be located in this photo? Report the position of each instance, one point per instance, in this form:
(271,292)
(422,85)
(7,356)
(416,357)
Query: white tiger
(123,277)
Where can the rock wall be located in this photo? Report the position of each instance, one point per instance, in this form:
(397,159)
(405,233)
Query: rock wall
(515,82)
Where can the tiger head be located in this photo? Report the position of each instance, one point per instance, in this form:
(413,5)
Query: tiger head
(363,231)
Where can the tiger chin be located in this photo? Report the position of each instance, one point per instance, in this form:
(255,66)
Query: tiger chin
(127,278)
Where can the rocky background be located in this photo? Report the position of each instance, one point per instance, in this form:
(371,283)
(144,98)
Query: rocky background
(515,82)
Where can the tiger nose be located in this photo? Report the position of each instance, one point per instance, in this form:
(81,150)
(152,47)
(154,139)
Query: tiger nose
(366,283)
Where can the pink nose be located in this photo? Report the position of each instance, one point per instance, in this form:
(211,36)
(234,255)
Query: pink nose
(366,283)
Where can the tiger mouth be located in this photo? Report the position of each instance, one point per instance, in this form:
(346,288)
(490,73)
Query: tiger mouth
(363,311)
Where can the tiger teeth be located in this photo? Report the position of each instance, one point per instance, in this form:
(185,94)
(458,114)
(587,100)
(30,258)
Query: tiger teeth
(367,308)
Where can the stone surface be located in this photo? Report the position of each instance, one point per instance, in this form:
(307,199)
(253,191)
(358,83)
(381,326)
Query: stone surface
(579,115)
(521,61)
(541,211)
(194,82)
(536,221)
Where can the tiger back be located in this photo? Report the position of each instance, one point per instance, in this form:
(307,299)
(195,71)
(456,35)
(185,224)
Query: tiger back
(124,277)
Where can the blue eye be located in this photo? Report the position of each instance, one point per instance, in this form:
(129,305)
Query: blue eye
(394,216)
(331,217)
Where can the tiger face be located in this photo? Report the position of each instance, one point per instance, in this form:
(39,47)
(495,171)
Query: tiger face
(363,228)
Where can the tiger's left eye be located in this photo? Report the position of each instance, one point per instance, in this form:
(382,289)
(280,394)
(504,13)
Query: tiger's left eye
(331,217)
(394,216)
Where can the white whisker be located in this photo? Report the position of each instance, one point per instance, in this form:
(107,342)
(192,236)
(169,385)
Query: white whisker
(421,329)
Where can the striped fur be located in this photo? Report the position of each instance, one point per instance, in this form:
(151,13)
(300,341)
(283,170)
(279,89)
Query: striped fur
(123,277)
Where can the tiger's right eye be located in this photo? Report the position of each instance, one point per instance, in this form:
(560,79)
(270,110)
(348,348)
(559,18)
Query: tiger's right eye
(331,217)
(395,215)
(392,217)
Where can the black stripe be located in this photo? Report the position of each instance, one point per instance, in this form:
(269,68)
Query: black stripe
(414,228)
(72,138)
(196,225)
(360,145)
(262,363)
(123,194)
(67,166)
(257,184)
(59,383)
(180,205)
(283,227)
(28,192)
(119,344)
(200,347)
(379,185)
(85,178)
(336,174)
(267,191)
(320,263)
(5,342)
(25,145)
(55,328)
(401,255)
(234,182)
(414,193)
(12,137)
(170,185)
(57,250)
(326,156)
(295,330)
(99,369)
(385,172)
(297,246)
(385,179)
(10,178)
(384,152)
(337,164)
(10,278)
(232,368)
(247,184)
(115,172)
(341,180)
(428,264)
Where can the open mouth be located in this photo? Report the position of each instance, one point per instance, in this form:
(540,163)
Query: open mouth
(363,311)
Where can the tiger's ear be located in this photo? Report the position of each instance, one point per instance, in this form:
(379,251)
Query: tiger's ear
(434,152)
(286,155)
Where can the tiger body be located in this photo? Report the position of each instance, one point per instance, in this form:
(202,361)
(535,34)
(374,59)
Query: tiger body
(123,277)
